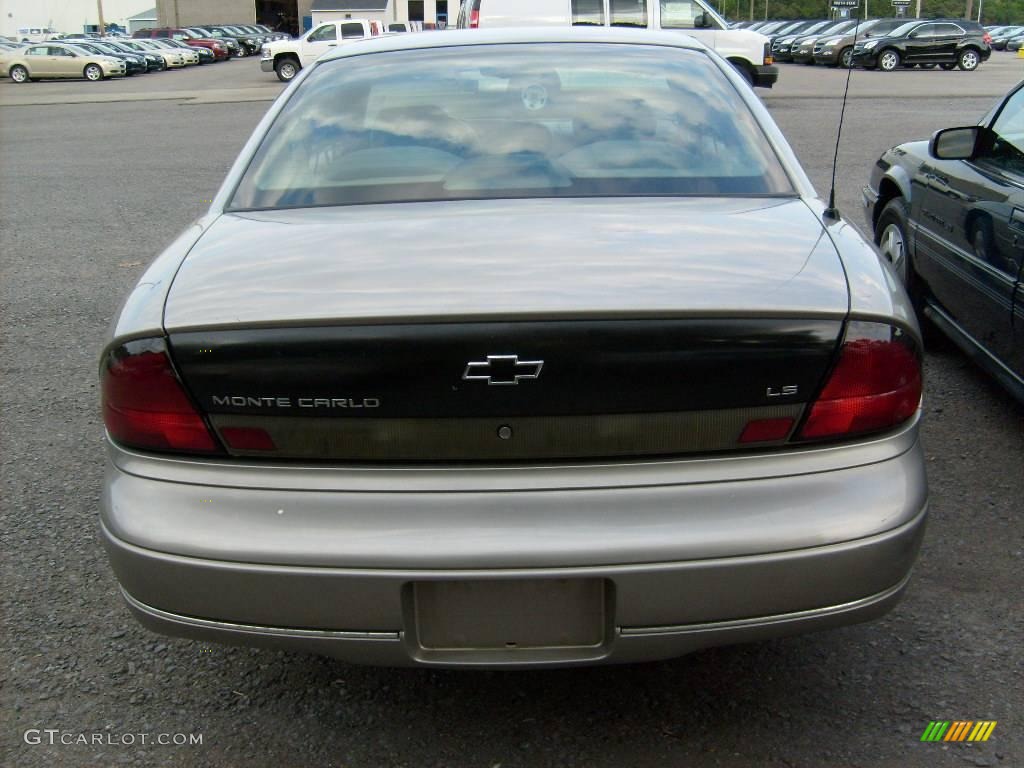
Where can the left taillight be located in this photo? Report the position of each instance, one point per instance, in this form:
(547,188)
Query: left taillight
(145,405)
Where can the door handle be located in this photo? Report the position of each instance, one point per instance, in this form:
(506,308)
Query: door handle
(332,45)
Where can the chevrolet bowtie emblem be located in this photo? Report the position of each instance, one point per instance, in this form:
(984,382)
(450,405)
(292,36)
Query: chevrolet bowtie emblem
(503,369)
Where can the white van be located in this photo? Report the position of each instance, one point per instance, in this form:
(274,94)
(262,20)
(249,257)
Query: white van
(35,34)
(749,52)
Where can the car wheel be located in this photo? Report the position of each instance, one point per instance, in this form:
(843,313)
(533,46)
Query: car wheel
(947,67)
(891,238)
(93,72)
(969,60)
(846,57)
(286,70)
(18,74)
(888,60)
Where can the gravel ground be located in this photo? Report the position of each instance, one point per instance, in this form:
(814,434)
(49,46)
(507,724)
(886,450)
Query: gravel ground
(90,193)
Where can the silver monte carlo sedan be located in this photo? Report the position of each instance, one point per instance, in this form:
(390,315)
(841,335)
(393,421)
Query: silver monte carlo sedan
(514,348)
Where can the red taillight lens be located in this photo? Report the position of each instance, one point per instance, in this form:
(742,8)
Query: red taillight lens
(247,438)
(875,385)
(474,19)
(987,38)
(766,430)
(144,404)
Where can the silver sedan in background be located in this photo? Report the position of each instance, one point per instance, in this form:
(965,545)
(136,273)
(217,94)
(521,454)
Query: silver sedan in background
(510,349)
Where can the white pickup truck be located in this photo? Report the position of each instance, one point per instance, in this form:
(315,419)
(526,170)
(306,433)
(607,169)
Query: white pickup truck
(287,57)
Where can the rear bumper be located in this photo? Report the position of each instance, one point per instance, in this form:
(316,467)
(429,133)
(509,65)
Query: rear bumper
(765,76)
(625,645)
(777,545)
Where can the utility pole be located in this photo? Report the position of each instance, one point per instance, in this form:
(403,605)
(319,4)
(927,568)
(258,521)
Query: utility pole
(751,10)
(981,5)
(102,28)
(970,9)
(918,9)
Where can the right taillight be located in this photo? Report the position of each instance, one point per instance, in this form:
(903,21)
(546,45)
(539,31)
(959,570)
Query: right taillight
(146,406)
(474,17)
(874,386)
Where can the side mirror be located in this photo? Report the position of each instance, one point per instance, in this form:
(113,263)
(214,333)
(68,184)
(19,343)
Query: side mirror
(701,21)
(955,143)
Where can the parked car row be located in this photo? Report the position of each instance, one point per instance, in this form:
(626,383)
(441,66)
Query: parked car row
(95,57)
(885,44)
(224,41)
(98,58)
(1007,38)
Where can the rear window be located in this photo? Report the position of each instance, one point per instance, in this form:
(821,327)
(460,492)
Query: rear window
(498,121)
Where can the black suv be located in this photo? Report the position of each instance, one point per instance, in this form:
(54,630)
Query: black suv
(947,43)
(949,215)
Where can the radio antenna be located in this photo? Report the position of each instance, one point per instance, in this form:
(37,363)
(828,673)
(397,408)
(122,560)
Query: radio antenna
(832,212)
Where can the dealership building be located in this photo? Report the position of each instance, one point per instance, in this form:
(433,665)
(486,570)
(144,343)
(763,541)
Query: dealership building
(295,16)
(292,16)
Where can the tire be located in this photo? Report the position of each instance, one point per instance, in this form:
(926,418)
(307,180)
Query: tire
(891,237)
(286,70)
(947,67)
(846,57)
(968,60)
(93,73)
(888,60)
(18,74)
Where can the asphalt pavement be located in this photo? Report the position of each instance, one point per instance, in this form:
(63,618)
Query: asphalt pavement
(90,192)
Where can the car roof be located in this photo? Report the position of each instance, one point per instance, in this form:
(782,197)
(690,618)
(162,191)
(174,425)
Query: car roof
(567,34)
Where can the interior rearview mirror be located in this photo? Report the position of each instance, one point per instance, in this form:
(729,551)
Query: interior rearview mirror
(954,143)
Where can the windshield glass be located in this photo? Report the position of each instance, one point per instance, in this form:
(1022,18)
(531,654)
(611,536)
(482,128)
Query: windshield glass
(813,28)
(497,121)
(846,25)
